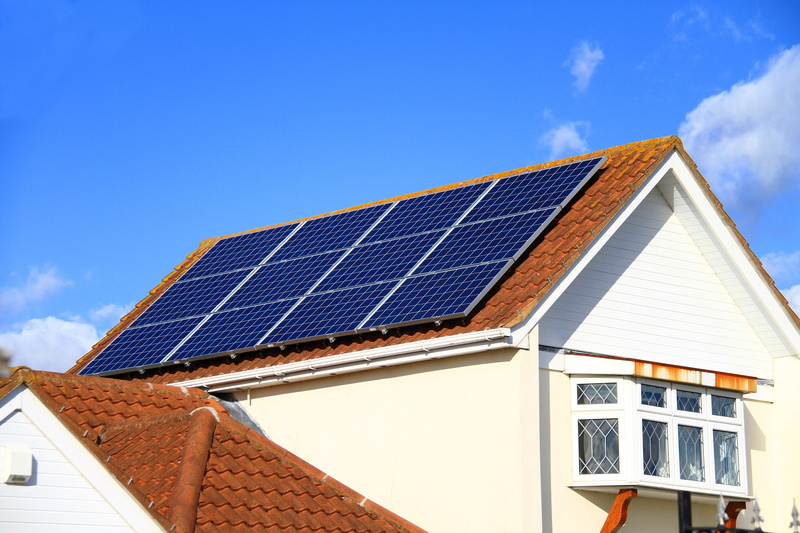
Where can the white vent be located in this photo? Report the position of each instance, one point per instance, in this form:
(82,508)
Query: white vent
(18,464)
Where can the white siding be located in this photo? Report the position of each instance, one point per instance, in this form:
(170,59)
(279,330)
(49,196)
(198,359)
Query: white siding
(58,497)
(652,294)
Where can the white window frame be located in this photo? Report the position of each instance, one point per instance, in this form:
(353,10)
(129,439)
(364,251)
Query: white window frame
(631,413)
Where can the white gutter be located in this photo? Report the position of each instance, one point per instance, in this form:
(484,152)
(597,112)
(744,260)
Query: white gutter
(410,352)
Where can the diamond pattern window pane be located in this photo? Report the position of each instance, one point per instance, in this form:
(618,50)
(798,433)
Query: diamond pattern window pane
(594,393)
(690,452)
(726,457)
(598,445)
(723,406)
(655,448)
(654,396)
(689,401)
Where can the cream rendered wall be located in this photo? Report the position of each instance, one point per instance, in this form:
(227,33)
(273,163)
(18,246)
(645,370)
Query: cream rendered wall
(59,497)
(450,445)
(566,509)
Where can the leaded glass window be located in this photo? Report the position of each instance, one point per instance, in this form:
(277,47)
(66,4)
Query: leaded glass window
(655,448)
(598,446)
(726,457)
(654,396)
(690,453)
(597,393)
(689,401)
(723,406)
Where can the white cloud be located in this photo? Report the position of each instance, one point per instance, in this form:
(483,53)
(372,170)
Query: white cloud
(110,313)
(40,284)
(566,139)
(782,265)
(745,139)
(582,63)
(793,296)
(49,343)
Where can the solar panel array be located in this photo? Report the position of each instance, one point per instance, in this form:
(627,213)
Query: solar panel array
(421,259)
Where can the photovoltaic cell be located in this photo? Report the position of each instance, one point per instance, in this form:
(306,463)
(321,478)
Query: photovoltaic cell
(429,212)
(380,261)
(549,187)
(233,330)
(330,233)
(240,251)
(384,265)
(286,279)
(437,295)
(498,239)
(329,313)
(190,298)
(140,347)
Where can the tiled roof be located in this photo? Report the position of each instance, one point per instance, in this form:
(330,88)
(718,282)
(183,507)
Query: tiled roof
(522,288)
(186,460)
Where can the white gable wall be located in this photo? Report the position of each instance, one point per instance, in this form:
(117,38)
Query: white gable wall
(69,490)
(652,294)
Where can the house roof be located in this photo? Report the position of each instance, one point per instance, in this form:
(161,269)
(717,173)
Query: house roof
(506,305)
(185,459)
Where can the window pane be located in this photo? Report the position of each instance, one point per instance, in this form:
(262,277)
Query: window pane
(690,452)
(655,448)
(655,396)
(689,401)
(726,457)
(723,406)
(598,445)
(591,393)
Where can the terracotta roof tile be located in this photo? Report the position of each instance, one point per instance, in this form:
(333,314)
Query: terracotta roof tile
(143,435)
(507,304)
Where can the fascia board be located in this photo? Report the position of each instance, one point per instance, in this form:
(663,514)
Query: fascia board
(552,296)
(412,352)
(731,245)
(86,463)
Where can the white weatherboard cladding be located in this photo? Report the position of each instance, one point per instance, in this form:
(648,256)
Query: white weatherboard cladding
(652,294)
(59,497)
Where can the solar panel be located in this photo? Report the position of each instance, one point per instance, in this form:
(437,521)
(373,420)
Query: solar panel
(419,259)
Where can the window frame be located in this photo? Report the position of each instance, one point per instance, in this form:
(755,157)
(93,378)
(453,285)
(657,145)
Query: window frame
(631,414)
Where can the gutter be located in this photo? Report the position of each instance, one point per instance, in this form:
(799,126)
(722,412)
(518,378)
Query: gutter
(411,352)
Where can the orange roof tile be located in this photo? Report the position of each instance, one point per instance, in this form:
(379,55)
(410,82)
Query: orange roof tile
(195,468)
(518,293)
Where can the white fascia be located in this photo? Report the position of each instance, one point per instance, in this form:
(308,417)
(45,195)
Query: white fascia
(400,354)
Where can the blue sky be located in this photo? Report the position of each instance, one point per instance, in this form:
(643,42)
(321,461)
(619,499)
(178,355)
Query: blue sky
(132,130)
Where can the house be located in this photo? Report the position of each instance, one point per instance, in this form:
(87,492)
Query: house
(82,453)
(634,348)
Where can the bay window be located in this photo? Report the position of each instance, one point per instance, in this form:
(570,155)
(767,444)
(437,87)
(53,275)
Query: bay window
(630,431)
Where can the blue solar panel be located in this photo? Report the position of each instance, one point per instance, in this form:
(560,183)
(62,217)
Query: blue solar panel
(239,251)
(493,240)
(286,279)
(436,296)
(424,258)
(380,261)
(328,314)
(549,187)
(190,298)
(332,232)
(428,212)
(232,330)
(139,347)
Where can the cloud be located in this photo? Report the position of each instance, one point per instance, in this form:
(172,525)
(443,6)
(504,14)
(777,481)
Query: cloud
(782,266)
(40,284)
(566,139)
(793,296)
(582,63)
(110,313)
(49,343)
(745,139)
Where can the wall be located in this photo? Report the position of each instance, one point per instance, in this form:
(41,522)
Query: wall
(450,445)
(58,497)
